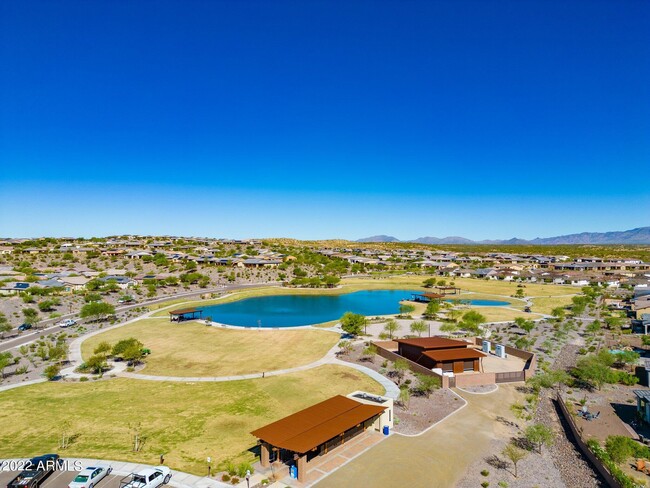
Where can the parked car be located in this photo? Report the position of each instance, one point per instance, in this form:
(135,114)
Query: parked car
(24,327)
(67,323)
(36,471)
(89,477)
(147,478)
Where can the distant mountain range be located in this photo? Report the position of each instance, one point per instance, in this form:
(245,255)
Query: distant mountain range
(640,235)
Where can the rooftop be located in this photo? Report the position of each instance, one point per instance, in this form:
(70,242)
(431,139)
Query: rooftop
(454,354)
(433,342)
(311,427)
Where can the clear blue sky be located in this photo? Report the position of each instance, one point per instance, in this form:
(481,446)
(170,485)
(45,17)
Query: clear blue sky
(320,119)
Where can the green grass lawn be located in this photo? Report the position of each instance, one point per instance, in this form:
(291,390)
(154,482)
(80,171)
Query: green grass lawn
(186,421)
(192,349)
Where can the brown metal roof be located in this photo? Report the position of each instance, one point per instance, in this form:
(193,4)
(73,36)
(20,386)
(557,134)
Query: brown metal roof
(433,295)
(315,425)
(433,343)
(183,311)
(454,354)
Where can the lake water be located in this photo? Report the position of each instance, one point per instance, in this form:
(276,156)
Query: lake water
(295,310)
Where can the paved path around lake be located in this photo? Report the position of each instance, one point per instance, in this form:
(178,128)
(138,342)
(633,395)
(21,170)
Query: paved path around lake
(437,458)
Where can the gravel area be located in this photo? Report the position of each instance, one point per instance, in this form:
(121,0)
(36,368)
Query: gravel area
(423,412)
(480,389)
(420,412)
(534,470)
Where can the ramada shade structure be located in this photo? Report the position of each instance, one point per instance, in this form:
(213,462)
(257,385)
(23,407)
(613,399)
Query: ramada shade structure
(309,428)
(185,314)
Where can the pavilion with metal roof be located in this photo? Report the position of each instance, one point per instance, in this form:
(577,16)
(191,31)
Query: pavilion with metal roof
(314,431)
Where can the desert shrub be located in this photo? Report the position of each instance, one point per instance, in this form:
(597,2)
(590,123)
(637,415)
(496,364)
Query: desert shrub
(225,477)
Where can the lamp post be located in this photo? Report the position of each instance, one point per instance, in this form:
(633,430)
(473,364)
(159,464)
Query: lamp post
(248,478)
(209,466)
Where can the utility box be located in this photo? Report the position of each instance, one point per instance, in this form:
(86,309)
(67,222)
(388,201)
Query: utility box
(487,346)
(501,351)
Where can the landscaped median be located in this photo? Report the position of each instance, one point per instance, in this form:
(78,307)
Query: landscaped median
(192,349)
(187,422)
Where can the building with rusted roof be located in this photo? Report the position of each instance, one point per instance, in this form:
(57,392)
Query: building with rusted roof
(449,355)
(317,430)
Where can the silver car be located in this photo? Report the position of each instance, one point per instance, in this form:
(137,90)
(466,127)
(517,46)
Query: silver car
(89,477)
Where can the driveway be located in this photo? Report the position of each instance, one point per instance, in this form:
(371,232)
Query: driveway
(439,457)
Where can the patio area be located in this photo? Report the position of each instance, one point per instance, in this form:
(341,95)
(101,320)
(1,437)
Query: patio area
(324,465)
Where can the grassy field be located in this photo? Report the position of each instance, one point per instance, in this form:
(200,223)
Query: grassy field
(187,422)
(192,349)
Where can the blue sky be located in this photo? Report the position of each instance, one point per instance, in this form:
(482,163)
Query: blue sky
(485,119)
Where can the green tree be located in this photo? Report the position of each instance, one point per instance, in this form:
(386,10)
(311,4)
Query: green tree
(97,310)
(400,367)
(539,435)
(353,323)
(134,353)
(595,370)
(92,297)
(514,454)
(432,310)
(97,364)
(125,344)
(103,348)
(419,326)
(449,327)
(6,358)
(472,321)
(52,372)
(31,315)
(526,325)
(406,309)
(331,281)
(559,313)
(426,384)
(5,326)
(429,282)
(391,327)
(593,328)
(404,397)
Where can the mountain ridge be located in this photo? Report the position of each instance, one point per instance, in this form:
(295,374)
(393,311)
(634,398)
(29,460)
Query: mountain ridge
(639,235)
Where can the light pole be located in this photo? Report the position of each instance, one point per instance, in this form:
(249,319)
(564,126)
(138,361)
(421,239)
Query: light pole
(248,478)
(209,467)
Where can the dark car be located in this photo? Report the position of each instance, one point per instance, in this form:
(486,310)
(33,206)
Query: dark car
(527,309)
(36,471)
(25,327)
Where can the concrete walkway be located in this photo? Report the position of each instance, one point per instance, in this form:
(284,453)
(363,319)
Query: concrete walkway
(23,383)
(439,457)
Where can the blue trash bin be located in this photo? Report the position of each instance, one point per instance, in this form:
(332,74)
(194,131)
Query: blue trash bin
(386,430)
(293,471)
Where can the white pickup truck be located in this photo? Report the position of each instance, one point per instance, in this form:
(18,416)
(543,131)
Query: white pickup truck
(147,478)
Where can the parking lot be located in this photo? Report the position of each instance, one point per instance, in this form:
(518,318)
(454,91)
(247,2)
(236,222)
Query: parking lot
(60,479)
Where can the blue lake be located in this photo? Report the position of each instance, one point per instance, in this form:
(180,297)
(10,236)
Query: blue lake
(484,303)
(295,310)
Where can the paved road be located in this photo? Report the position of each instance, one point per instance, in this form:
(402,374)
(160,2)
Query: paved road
(48,326)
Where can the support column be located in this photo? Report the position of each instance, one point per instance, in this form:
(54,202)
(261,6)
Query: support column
(302,468)
(264,455)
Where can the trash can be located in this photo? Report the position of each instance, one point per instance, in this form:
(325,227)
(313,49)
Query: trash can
(293,471)
(386,429)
